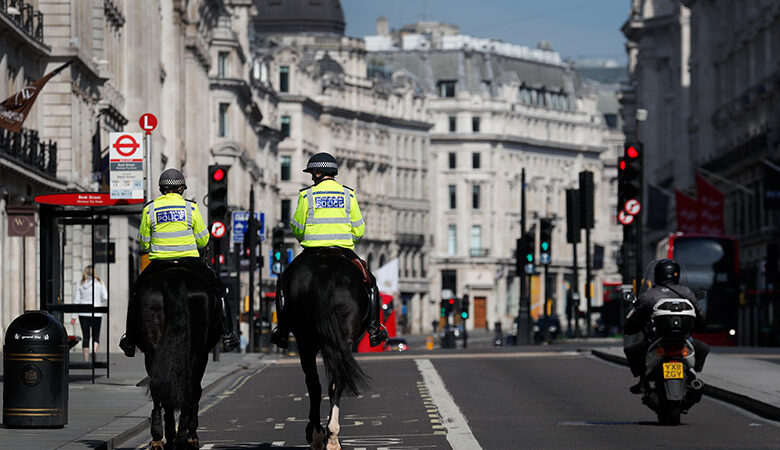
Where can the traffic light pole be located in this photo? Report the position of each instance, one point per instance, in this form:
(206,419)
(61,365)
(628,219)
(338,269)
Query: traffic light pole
(523,312)
(588,282)
(252,267)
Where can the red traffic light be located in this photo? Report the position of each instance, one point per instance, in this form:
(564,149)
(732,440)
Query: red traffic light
(218,175)
(452,301)
(622,164)
(632,152)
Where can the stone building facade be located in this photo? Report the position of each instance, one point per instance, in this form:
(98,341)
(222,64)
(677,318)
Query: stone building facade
(498,108)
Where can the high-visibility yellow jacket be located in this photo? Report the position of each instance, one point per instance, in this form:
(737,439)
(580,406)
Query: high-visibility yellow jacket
(172,227)
(327,215)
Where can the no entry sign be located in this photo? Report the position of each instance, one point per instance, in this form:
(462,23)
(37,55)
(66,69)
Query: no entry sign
(126,164)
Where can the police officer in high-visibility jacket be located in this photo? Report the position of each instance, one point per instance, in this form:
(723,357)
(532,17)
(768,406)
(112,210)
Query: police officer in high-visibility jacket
(328,215)
(172,230)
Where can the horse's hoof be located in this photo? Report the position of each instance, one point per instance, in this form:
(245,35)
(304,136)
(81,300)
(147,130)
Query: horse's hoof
(193,443)
(333,443)
(317,440)
(156,445)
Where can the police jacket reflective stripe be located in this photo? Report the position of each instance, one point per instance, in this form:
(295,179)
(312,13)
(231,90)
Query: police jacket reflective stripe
(172,227)
(328,215)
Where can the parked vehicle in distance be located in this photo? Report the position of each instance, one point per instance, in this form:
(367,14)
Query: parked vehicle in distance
(396,345)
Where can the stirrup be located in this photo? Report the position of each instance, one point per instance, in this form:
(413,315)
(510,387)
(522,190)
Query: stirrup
(127,348)
(279,340)
(230,341)
(377,335)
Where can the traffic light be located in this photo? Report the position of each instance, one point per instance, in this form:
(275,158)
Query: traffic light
(573,216)
(278,250)
(443,305)
(525,253)
(545,240)
(630,174)
(464,307)
(217,193)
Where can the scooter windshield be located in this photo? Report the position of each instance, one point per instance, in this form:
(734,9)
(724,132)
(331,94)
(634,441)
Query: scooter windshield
(648,277)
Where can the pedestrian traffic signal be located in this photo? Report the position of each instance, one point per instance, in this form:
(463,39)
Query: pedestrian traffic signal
(217,194)
(545,240)
(277,250)
(525,253)
(464,307)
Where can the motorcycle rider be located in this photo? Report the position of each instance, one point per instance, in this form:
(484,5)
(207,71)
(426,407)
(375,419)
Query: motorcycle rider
(666,277)
(328,215)
(172,228)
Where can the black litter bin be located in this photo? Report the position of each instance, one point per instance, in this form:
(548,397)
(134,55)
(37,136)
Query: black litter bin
(35,372)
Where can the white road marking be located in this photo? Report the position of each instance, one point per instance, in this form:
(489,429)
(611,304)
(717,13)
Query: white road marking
(279,426)
(277,444)
(207,446)
(297,399)
(459,434)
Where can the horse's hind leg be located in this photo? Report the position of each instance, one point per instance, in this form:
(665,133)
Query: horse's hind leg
(189,429)
(170,428)
(315,433)
(157,427)
(334,393)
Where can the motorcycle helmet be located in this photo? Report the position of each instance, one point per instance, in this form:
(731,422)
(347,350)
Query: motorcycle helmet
(666,270)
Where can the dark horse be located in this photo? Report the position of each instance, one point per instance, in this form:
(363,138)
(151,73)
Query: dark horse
(177,320)
(326,306)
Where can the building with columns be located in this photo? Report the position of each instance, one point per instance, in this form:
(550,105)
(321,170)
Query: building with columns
(498,108)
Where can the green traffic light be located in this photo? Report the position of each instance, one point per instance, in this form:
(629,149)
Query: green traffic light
(529,257)
(545,246)
(443,312)
(277,256)
(464,314)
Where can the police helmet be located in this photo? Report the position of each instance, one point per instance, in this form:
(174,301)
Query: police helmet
(324,162)
(666,270)
(172,179)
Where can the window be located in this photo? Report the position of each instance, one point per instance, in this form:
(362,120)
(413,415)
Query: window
(475,194)
(284,79)
(540,98)
(475,163)
(286,163)
(285,210)
(476,240)
(452,240)
(475,124)
(524,95)
(223,119)
(452,160)
(222,59)
(611,120)
(446,88)
(453,197)
(453,124)
(285,127)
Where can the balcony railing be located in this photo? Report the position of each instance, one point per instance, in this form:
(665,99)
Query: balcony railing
(24,16)
(411,239)
(479,252)
(27,148)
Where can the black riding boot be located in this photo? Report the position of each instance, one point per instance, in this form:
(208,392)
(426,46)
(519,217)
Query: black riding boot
(376,331)
(229,338)
(280,334)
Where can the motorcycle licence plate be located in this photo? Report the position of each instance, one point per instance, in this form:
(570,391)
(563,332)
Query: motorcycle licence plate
(673,370)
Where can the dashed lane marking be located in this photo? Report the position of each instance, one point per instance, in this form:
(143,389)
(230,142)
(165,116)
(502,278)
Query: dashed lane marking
(279,426)
(277,444)
(236,385)
(459,434)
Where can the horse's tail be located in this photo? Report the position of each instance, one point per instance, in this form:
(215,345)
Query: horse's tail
(170,374)
(340,365)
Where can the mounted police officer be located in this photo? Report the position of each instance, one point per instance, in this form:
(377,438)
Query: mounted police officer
(328,215)
(172,230)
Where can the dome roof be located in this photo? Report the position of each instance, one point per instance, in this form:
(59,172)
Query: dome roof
(299,16)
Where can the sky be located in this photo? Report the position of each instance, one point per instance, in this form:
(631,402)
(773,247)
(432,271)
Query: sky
(577,29)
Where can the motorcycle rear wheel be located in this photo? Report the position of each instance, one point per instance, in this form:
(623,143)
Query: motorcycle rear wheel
(669,413)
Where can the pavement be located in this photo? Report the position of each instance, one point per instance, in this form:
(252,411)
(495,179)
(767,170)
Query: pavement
(113,409)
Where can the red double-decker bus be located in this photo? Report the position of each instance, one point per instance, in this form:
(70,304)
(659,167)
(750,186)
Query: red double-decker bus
(710,263)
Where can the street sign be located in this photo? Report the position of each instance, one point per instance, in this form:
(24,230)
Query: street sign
(84,199)
(625,218)
(632,206)
(240,222)
(148,122)
(217,229)
(126,165)
(544,258)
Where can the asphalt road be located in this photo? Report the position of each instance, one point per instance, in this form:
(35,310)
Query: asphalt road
(499,399)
